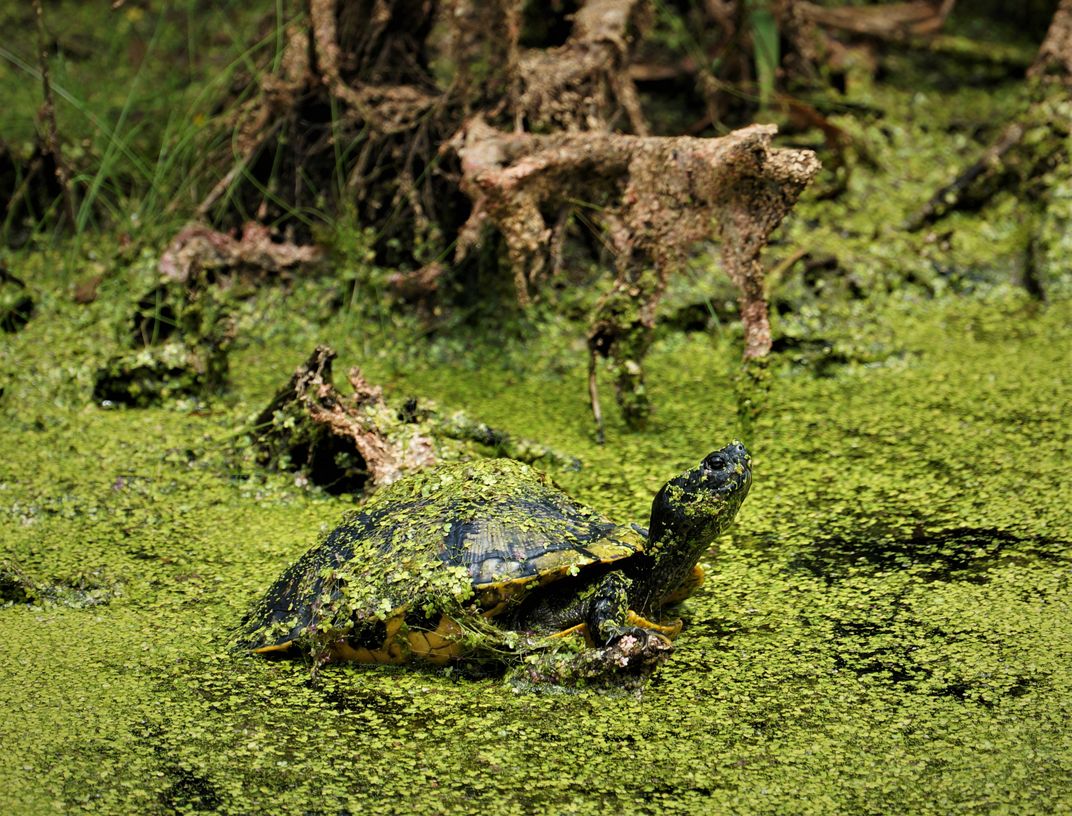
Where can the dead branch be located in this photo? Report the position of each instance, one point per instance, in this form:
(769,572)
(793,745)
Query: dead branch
(822,35)
(1010,58)
(887,21)
(389,108)
(460,426)
(1026,147)
(358,443)
(976,183)
(417,286)
(309,426)
(1030,156)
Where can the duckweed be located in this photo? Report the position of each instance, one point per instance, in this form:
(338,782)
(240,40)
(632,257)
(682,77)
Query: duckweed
(885,629)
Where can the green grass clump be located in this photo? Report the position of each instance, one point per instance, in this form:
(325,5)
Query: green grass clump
(138,92)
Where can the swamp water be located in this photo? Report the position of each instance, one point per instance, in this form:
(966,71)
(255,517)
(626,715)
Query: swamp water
(887,628)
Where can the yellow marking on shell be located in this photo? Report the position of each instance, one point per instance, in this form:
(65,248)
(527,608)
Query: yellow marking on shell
(487,611)
(494,597)
(438,646)
(693,581)
(394,650)
(670,630)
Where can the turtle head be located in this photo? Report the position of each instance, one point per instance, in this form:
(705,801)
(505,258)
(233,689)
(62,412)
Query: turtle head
(690,511)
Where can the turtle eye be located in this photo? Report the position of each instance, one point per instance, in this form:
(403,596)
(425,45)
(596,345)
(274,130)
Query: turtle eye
(715,462)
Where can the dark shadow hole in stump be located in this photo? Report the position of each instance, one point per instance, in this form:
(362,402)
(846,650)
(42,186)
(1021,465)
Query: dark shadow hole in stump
(18,315)
(333,464)
(547,25)
(144,385)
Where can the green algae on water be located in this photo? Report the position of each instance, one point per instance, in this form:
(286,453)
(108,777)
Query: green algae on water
(885,628)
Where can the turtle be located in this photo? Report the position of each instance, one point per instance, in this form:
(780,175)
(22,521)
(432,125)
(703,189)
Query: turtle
(435,561)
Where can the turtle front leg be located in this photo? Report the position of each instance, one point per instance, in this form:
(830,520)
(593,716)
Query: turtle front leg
(624,646)
(612,624)
(621,645)
(607,608)
(602,612)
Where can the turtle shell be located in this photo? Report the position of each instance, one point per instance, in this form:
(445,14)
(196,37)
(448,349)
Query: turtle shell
(444,544)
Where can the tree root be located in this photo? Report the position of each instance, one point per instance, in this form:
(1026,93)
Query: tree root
(584,84)
(654,198)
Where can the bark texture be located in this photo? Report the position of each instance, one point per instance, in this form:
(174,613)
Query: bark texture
(1054,58)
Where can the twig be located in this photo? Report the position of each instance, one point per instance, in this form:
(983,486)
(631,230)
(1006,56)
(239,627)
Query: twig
(593,397)
(18,195)
(239,167)
(779,270)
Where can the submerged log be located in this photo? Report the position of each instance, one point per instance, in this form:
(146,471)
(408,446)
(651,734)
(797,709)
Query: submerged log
(346,444)
(201,250)
(887,21)
(357,443)
(156,374)
(1030,156)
